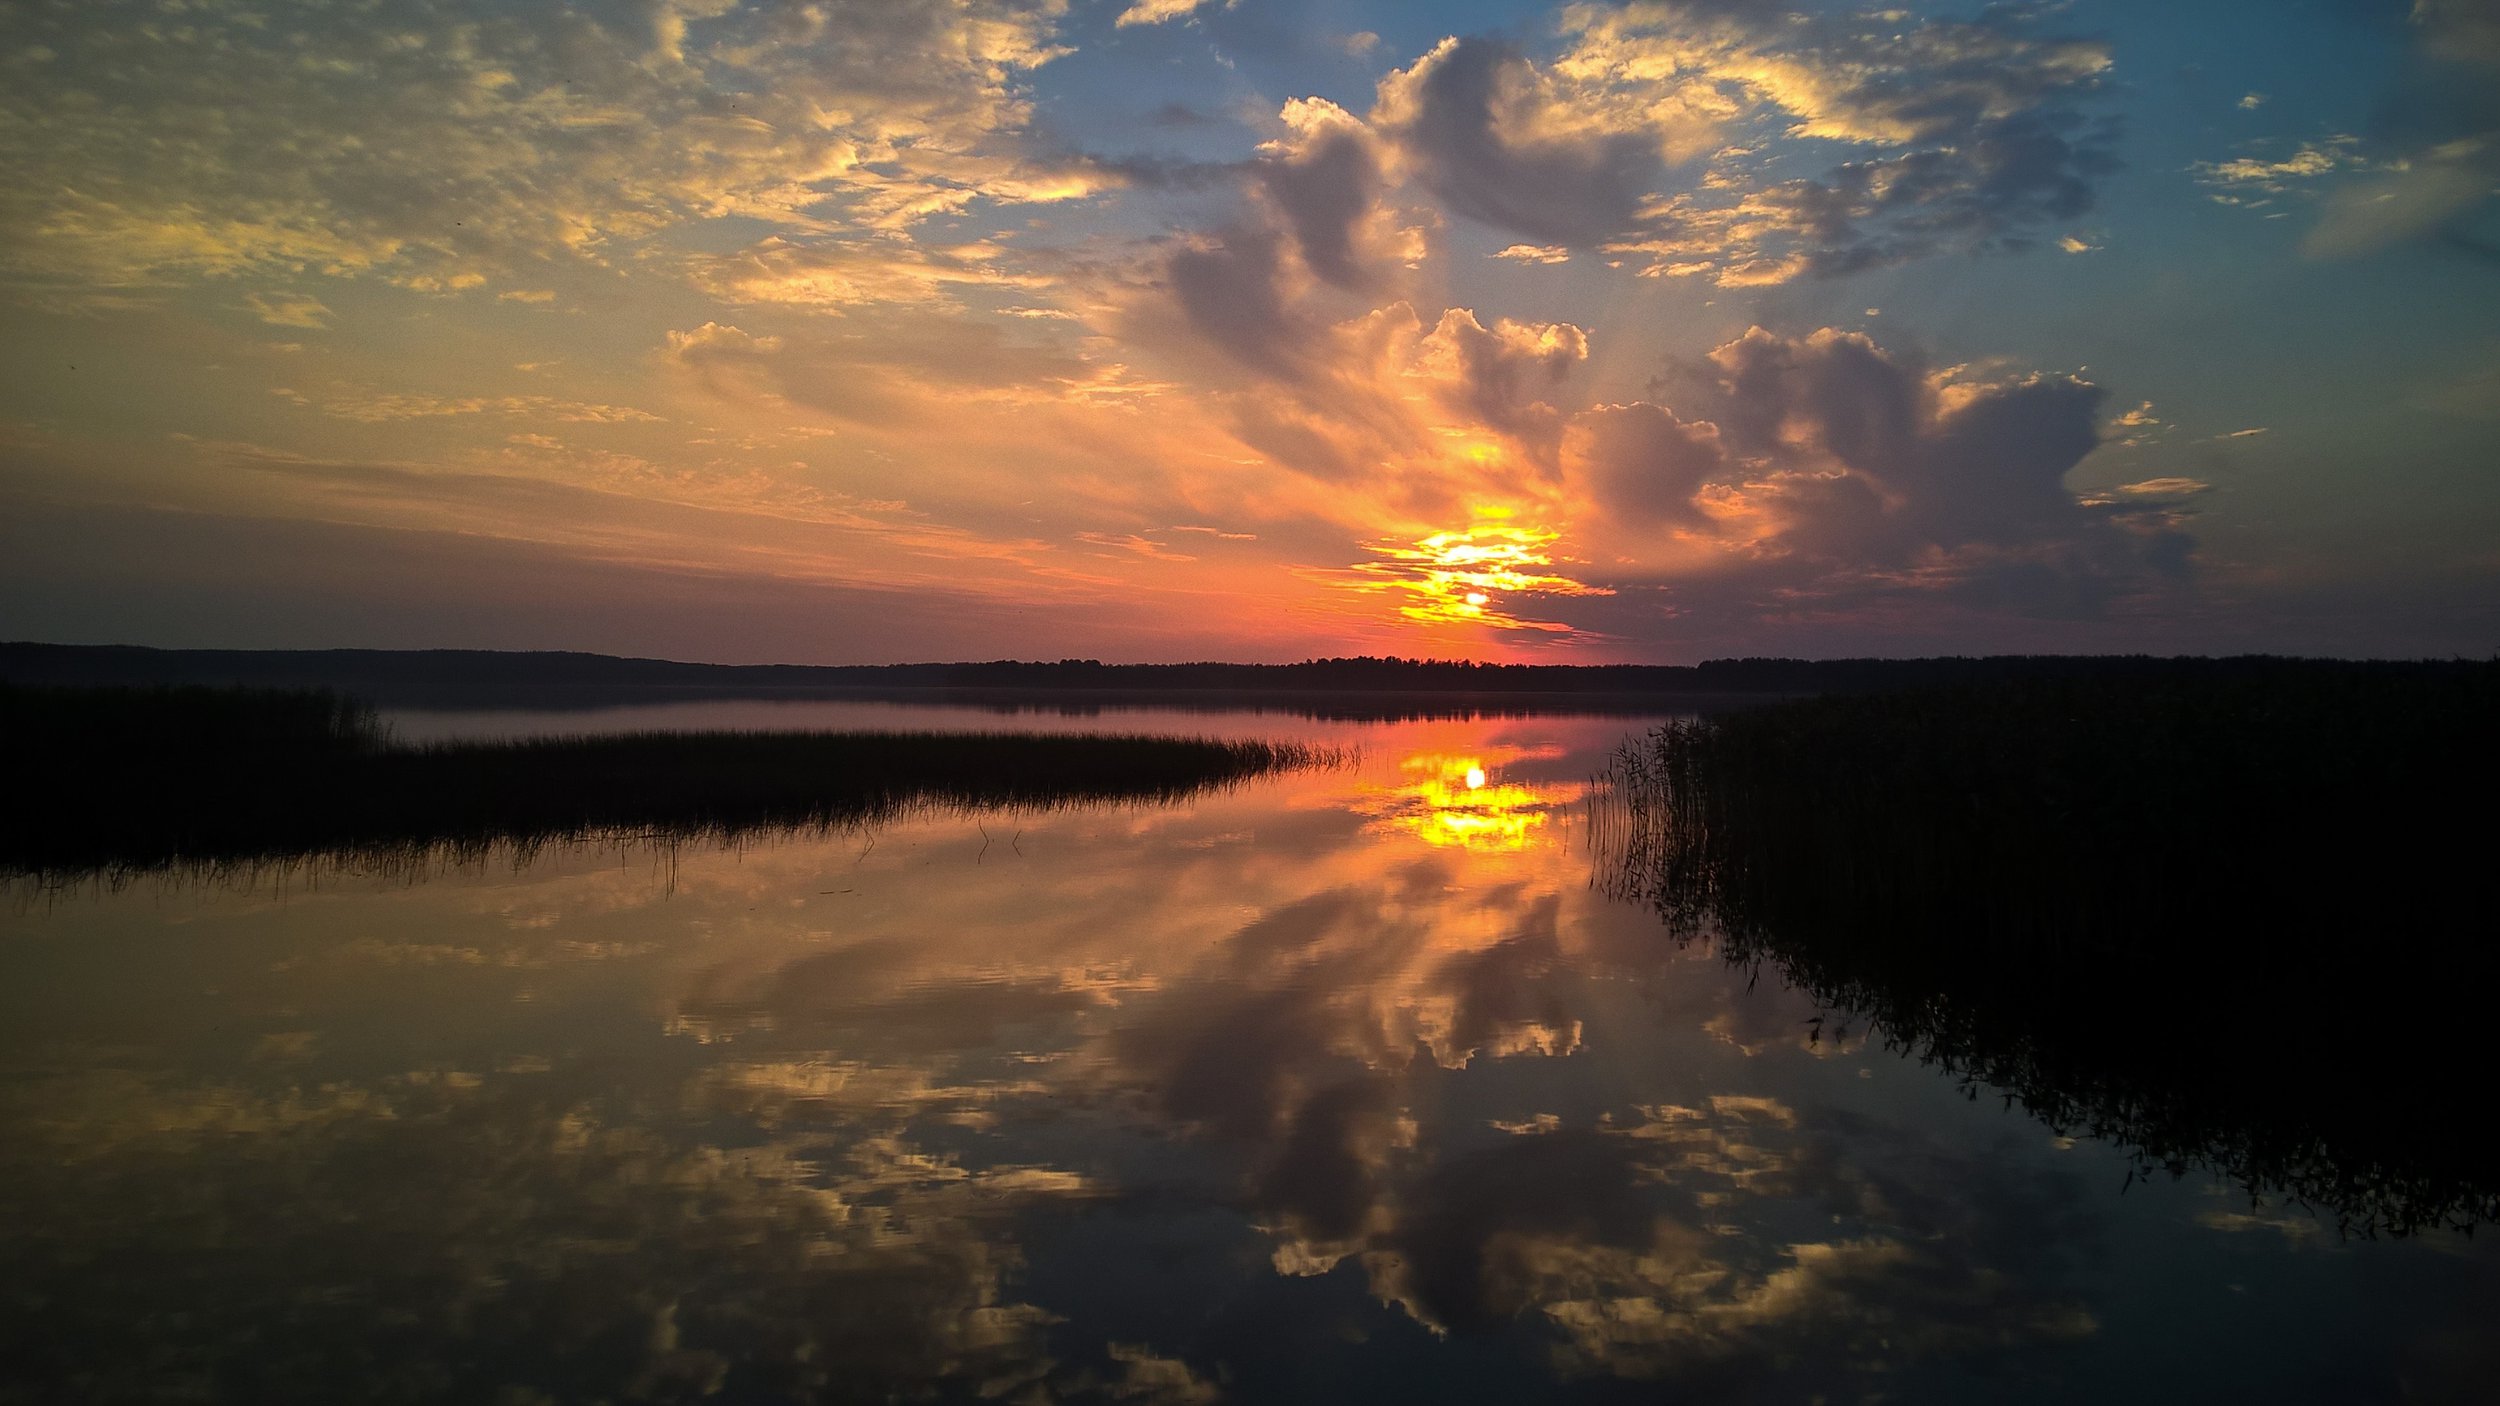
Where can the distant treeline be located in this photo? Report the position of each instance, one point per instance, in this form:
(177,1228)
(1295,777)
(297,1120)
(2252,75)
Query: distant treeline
(401,673)
(112,782)
(2229,915)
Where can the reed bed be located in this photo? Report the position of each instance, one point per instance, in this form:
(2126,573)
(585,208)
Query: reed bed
(2233,920)
(118,782)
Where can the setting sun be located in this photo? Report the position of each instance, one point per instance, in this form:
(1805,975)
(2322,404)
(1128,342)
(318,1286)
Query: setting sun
(1451,577)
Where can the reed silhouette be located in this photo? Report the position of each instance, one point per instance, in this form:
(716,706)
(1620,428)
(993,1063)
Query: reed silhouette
(113,782)
(2231,919)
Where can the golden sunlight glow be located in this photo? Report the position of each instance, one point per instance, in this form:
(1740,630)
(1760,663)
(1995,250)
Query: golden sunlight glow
(1451,801)
(1456,577)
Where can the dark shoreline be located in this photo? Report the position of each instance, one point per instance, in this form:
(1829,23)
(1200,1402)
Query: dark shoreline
(117,782)
(1364,687)
(2234,924)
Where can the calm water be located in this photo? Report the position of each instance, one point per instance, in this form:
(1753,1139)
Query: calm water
(1347,1085)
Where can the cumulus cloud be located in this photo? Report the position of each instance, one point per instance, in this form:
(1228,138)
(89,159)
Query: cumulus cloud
(1276,315)
(1647,467)
(1314,241)
(1327,183)
(1821,467)
(1408,421)
(1503,141)
(1500,377)
(442,142)
(1827,467)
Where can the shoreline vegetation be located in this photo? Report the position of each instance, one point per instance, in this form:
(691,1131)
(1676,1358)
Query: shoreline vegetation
(2230,918)
(113,783)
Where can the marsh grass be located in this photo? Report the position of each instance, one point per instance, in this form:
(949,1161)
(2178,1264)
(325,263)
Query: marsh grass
(113,783)
(2231,919)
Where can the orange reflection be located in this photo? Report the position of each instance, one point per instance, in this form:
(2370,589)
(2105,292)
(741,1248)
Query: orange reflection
(1451,800)
(1456,577)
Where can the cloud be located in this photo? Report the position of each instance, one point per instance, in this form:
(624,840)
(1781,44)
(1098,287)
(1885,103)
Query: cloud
(1492,574)
(894,372)
(382,407)
(1234,289)
(1327,181)
(1501,377)
(2430,193)
(288,309)
(1827,468)
(443,146)
(1407,423)
(832,274)
(2459,31)
(1157,12)
(1502,141)
(718,337)
(1654,132)
(1646,467)
(2239,180)
(2165,488)
(1315,239)
(2426,168)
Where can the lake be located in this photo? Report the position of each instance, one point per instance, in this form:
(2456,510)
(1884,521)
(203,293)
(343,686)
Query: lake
(1346,1084)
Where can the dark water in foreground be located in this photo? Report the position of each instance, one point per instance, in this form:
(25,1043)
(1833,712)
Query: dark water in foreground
(1346,1085)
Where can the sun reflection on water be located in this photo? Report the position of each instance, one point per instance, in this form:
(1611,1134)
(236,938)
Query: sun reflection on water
(1451,800)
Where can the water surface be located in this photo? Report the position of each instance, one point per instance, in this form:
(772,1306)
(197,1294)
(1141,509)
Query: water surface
(1345,1085)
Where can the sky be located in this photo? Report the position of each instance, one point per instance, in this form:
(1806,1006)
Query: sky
(1150,330)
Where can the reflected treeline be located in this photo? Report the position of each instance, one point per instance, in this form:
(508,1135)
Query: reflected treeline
(116,782)
(2228,920)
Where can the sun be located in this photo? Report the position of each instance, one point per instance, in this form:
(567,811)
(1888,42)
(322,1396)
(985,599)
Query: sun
(1453,577)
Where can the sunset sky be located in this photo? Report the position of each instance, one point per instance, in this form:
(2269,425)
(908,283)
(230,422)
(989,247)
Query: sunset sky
(1151,330)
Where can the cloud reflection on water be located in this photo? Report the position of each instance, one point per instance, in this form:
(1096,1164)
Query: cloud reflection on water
(1255,1094)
